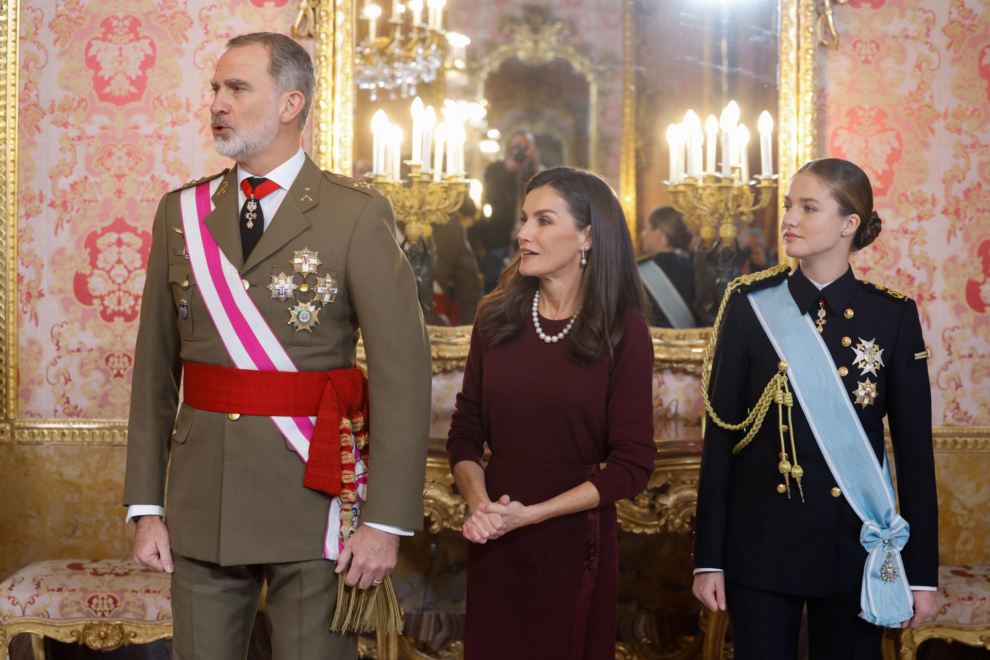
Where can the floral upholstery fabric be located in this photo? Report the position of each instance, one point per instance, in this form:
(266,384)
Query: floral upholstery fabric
(84,590)
(963,596)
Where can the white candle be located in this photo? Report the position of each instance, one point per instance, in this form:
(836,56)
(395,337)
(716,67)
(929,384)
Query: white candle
(744,152)
(726,124)
(711,128)
(694,143)
(439,137)
(681,152)
(766,146)
(417,10)
(429,121)
(378,124)
(372,12)
(396,153)
(417,131)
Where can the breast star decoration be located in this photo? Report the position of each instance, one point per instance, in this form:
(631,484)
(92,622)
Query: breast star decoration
(866,393)
(305,261)
(869,356)
(326,289)
(304,316)
(282,287)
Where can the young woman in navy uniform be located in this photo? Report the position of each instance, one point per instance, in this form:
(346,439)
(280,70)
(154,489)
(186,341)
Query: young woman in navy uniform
(775,532)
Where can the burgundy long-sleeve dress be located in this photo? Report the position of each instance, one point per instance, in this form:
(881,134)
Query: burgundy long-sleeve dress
(549,590)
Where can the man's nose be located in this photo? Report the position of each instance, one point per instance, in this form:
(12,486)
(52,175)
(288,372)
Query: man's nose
(219,107)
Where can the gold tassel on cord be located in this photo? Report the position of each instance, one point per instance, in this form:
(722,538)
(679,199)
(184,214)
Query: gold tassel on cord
(367,610)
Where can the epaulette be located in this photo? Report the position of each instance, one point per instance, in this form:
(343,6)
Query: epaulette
(348,182)
(196,182)
(882,290)
(760,280)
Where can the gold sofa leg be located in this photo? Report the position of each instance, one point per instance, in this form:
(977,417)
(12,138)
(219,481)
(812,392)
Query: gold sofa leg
(38,646)
(713,627)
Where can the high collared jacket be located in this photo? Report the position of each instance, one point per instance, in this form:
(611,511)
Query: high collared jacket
(759,536)
(235,486)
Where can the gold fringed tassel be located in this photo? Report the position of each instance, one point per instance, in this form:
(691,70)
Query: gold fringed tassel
(367,610)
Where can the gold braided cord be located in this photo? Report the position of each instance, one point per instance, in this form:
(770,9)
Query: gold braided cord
(759,411)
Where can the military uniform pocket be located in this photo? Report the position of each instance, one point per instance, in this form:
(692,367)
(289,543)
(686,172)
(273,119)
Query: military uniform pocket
(193,321)
(183,422)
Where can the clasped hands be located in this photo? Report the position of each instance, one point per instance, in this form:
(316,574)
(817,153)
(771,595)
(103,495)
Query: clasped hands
(494,519)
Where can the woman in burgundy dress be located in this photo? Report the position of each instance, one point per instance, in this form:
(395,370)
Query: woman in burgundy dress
(558,382)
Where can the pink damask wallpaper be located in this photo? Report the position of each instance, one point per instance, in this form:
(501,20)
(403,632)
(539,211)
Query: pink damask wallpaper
(114,98)
(907,97)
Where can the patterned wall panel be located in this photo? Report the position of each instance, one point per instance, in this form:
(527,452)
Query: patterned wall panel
(114,109)
(907,97)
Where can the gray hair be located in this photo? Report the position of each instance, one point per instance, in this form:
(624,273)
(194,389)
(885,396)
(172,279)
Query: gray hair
(289,65)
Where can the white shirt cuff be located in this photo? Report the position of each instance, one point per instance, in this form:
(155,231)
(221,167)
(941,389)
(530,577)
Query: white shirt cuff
(914,588)
(144,510)
(707,570)
(398,531)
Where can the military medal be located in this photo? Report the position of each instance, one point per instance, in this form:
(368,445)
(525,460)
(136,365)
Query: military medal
(303,316)
(866,393)
(888,572)
(282,286)
(326,289)
(183,309)
(821,316)
(869,356)
(305,262)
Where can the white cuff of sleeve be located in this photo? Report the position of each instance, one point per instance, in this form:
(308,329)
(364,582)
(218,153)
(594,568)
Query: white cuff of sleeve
(914,588)
(144,510)
(398,531)
(707,570)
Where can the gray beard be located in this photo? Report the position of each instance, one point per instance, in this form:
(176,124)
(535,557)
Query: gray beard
(242,145)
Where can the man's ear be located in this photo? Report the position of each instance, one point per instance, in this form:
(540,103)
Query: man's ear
(290,105)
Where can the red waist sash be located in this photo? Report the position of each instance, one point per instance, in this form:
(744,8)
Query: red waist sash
(338,399)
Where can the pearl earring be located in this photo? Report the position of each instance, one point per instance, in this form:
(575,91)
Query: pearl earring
(584,258)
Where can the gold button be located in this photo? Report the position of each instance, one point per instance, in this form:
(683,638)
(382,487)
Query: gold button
(847,342)
(782,366)
(849,313)
(781,488)
(247,285)
(174,432)
(843,371)
(304,287)
(185,283)
(836,492)
(234,417)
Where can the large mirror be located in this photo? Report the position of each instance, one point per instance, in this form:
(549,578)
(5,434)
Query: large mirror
(591,85)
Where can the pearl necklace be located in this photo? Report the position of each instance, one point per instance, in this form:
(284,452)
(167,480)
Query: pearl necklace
(536,321)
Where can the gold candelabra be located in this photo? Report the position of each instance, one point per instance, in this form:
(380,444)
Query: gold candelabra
(712,200)
(425,202)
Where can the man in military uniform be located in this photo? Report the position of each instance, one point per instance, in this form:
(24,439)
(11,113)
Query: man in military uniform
(317,256)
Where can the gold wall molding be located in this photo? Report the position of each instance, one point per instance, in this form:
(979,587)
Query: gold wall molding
(9,47)
(627,150)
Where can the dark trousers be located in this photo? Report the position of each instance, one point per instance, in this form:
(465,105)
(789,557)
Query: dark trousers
(766,625)
(213,609)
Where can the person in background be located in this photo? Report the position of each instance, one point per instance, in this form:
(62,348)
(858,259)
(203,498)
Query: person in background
(457,282)
(504,183)
(558,383)
(753,253)
(668,273)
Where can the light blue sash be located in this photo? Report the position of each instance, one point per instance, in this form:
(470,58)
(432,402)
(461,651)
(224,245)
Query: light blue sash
(663,291)
(843,442)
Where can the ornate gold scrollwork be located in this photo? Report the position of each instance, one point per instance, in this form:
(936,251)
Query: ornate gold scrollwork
(669,502)
(305,24)
(827,33)
(103,636)
(444,507)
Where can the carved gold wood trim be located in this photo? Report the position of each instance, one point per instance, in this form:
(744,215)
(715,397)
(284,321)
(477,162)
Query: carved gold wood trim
(321,148)
(102,635)
(627,152)
(910,639)
(9,47)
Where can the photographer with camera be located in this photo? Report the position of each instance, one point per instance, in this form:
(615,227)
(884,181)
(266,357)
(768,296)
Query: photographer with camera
(504,183)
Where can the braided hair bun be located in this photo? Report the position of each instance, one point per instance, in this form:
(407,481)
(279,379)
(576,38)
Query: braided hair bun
(867,232)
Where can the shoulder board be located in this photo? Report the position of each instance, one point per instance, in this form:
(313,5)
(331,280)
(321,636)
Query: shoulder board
(196,182)
(760,280)
(348,182)
(882,290)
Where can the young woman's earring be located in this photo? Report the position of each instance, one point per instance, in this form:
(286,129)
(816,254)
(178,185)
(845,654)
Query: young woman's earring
(584,257)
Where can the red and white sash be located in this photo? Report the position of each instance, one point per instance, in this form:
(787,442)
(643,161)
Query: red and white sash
(248,337)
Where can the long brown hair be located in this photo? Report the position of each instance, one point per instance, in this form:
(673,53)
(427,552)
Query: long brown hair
(610,283)
(852,191)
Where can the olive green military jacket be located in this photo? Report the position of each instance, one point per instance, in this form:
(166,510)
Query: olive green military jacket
(235,486)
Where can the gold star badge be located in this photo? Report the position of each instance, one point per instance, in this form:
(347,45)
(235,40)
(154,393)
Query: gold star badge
(282,286)
(304,316)
(866,393)
(326,289)
(305,261)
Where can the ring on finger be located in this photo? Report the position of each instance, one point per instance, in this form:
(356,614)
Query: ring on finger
(376,581)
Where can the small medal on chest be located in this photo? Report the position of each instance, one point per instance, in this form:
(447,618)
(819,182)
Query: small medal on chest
(304,316)
(305,261)
(866,393)
(282,286)
(821,316)
(326,289)
(184,309)
(869,356)
(252,206)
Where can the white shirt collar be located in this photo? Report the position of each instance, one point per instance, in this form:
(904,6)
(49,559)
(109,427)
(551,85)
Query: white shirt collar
(284,175)
(819,286)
